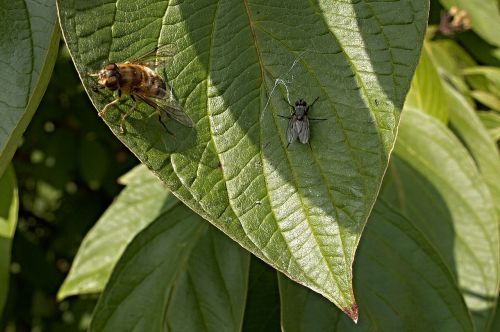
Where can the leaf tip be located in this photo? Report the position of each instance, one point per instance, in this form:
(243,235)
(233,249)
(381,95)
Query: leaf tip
(352,312)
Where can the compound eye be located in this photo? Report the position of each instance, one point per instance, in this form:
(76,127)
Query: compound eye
(111,66)
(297,103)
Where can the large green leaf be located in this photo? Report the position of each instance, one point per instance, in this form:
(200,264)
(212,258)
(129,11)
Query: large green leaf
(179,274)
(141,202)
(301,209)
(29,37)
(9,205)
(484,15)
(402,282)
(437,185)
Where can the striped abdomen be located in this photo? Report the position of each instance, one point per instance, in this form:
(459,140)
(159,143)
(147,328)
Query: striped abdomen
(142,80)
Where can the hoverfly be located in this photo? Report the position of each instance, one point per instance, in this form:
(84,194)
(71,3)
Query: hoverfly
(298,122)
(139,80)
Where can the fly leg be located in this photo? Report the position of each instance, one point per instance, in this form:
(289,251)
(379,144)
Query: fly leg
(315,100)
(101,112)
(126,115)
(314,119)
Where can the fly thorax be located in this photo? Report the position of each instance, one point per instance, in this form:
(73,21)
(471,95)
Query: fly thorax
(300,111)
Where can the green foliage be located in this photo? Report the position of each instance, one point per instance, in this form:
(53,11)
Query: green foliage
(141,202)
(426,91)
(29,37)
(402,281)
(428,258)
(235,168)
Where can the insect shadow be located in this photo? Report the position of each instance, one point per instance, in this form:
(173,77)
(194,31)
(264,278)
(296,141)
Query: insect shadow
(298,122)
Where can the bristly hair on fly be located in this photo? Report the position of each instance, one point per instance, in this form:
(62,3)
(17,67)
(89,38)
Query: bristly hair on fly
(298,122)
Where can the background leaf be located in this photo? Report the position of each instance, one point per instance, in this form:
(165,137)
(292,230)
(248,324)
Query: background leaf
(491,121)
(29,37)
(188,275)
(403,285)
(439,188)
(141,202)
(451,60)
(262,308)
(426,91)
(9,206)
(475,137)
(301,209)
(484,78)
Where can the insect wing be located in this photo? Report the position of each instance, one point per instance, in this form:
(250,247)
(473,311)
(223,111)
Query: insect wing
(170,108)
(156,57)
(302,128)
(174,111)
(291,133)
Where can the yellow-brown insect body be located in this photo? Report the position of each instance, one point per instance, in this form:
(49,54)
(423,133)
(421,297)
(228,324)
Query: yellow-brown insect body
(132,79)
(141,83)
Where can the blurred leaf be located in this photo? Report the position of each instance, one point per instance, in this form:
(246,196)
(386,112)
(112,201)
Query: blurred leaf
(484,15)
(483,149)
(401,281)
(304,310)
(426,92)
(141,202)
(210,292)
(484,78)
(180,265)
(439,188)
(29,35)
(234,168)
(9,206)
(262,308)
(491,120)
(450,59)
(476,138)
(487,99)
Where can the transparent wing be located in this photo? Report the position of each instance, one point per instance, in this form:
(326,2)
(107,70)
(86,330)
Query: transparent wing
(303,130)
(291,133)
(156,57)
(168,107)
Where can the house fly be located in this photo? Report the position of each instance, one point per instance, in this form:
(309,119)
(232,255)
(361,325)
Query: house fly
(298,122)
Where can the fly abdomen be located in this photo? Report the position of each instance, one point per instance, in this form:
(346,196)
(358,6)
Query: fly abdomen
(157,87)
